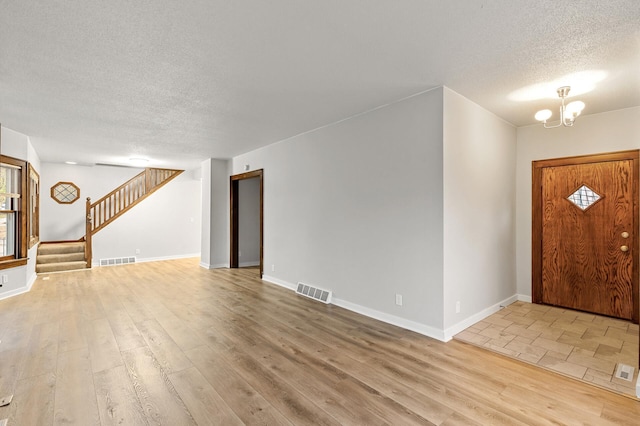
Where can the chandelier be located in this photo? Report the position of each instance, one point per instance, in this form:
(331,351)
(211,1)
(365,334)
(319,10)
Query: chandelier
(568,113)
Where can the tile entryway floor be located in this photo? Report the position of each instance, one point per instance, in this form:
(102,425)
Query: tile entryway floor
(584,346)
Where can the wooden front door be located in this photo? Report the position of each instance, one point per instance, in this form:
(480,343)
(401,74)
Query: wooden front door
(587,241)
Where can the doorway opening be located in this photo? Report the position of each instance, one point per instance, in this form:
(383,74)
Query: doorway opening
(246,203)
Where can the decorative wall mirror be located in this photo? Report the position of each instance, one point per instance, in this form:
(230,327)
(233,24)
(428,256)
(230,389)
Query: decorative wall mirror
(65,192)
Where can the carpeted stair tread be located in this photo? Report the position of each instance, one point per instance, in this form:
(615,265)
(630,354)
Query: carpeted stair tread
(62,266)
(61,248)
(60,258)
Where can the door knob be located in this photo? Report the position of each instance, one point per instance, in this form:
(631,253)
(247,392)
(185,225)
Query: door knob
(625,235)
(624,248)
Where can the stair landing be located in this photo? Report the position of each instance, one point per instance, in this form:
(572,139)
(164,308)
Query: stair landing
(58,257)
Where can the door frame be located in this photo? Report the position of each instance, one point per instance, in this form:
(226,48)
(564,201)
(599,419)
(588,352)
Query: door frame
(537,208)
(234,216)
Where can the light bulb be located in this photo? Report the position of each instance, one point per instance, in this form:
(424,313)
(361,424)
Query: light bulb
(574,108)
(543,115)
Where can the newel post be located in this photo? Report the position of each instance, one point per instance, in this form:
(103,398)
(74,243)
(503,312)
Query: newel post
(87,245)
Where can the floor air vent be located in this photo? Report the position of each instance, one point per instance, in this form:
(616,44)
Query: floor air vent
(624,372)
(117,261)
(315,293)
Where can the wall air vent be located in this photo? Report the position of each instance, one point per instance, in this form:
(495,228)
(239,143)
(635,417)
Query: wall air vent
(117,261)
(314,293)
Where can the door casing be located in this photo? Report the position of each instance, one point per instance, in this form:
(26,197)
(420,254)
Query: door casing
(537,209)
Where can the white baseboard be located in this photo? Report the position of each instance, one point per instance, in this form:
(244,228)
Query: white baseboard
(469,321)
(161,258)
(419,328)
(371,313)
(214,266)
(638,386)
(279,282)
(153,259)
(14,292)
(252,263)
(524,298)
(20,290)
(435,333)
(32,280)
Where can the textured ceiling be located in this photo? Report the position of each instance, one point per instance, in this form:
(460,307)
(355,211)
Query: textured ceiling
(182,80)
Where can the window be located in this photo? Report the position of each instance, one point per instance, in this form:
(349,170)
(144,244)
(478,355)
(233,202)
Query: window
(34,207)
(584,197)
(65,192)
(13,241)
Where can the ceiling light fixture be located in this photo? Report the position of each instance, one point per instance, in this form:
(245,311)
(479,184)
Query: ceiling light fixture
(137,161)
(568,113)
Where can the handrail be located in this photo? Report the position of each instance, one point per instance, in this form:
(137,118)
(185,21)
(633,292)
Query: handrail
(120,200)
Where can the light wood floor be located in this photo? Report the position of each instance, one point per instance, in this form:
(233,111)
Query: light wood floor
(171,343)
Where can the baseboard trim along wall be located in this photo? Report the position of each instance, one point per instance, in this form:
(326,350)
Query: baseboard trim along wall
(279,282)
(214,266)
(252,263)
(156,259)
(442,335)
(469,321)
(425,330)
(371,313)
(20,290)
(524,298)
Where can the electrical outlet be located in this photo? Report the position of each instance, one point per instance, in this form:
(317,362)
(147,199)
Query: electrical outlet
(399,299)
(273,268)
(5,278)
(137,251)
(239,253)
(458,307)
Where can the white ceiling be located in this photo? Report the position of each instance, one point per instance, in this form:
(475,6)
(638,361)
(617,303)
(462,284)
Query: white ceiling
(182,80)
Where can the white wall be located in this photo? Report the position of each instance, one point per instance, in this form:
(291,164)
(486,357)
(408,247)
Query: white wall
(592,134)
(356,207)
(59,222)
(165,225)
(17,145)
(249,222)
(215,214)
(479,211)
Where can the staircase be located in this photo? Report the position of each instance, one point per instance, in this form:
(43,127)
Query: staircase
(57,257)
(66,256)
